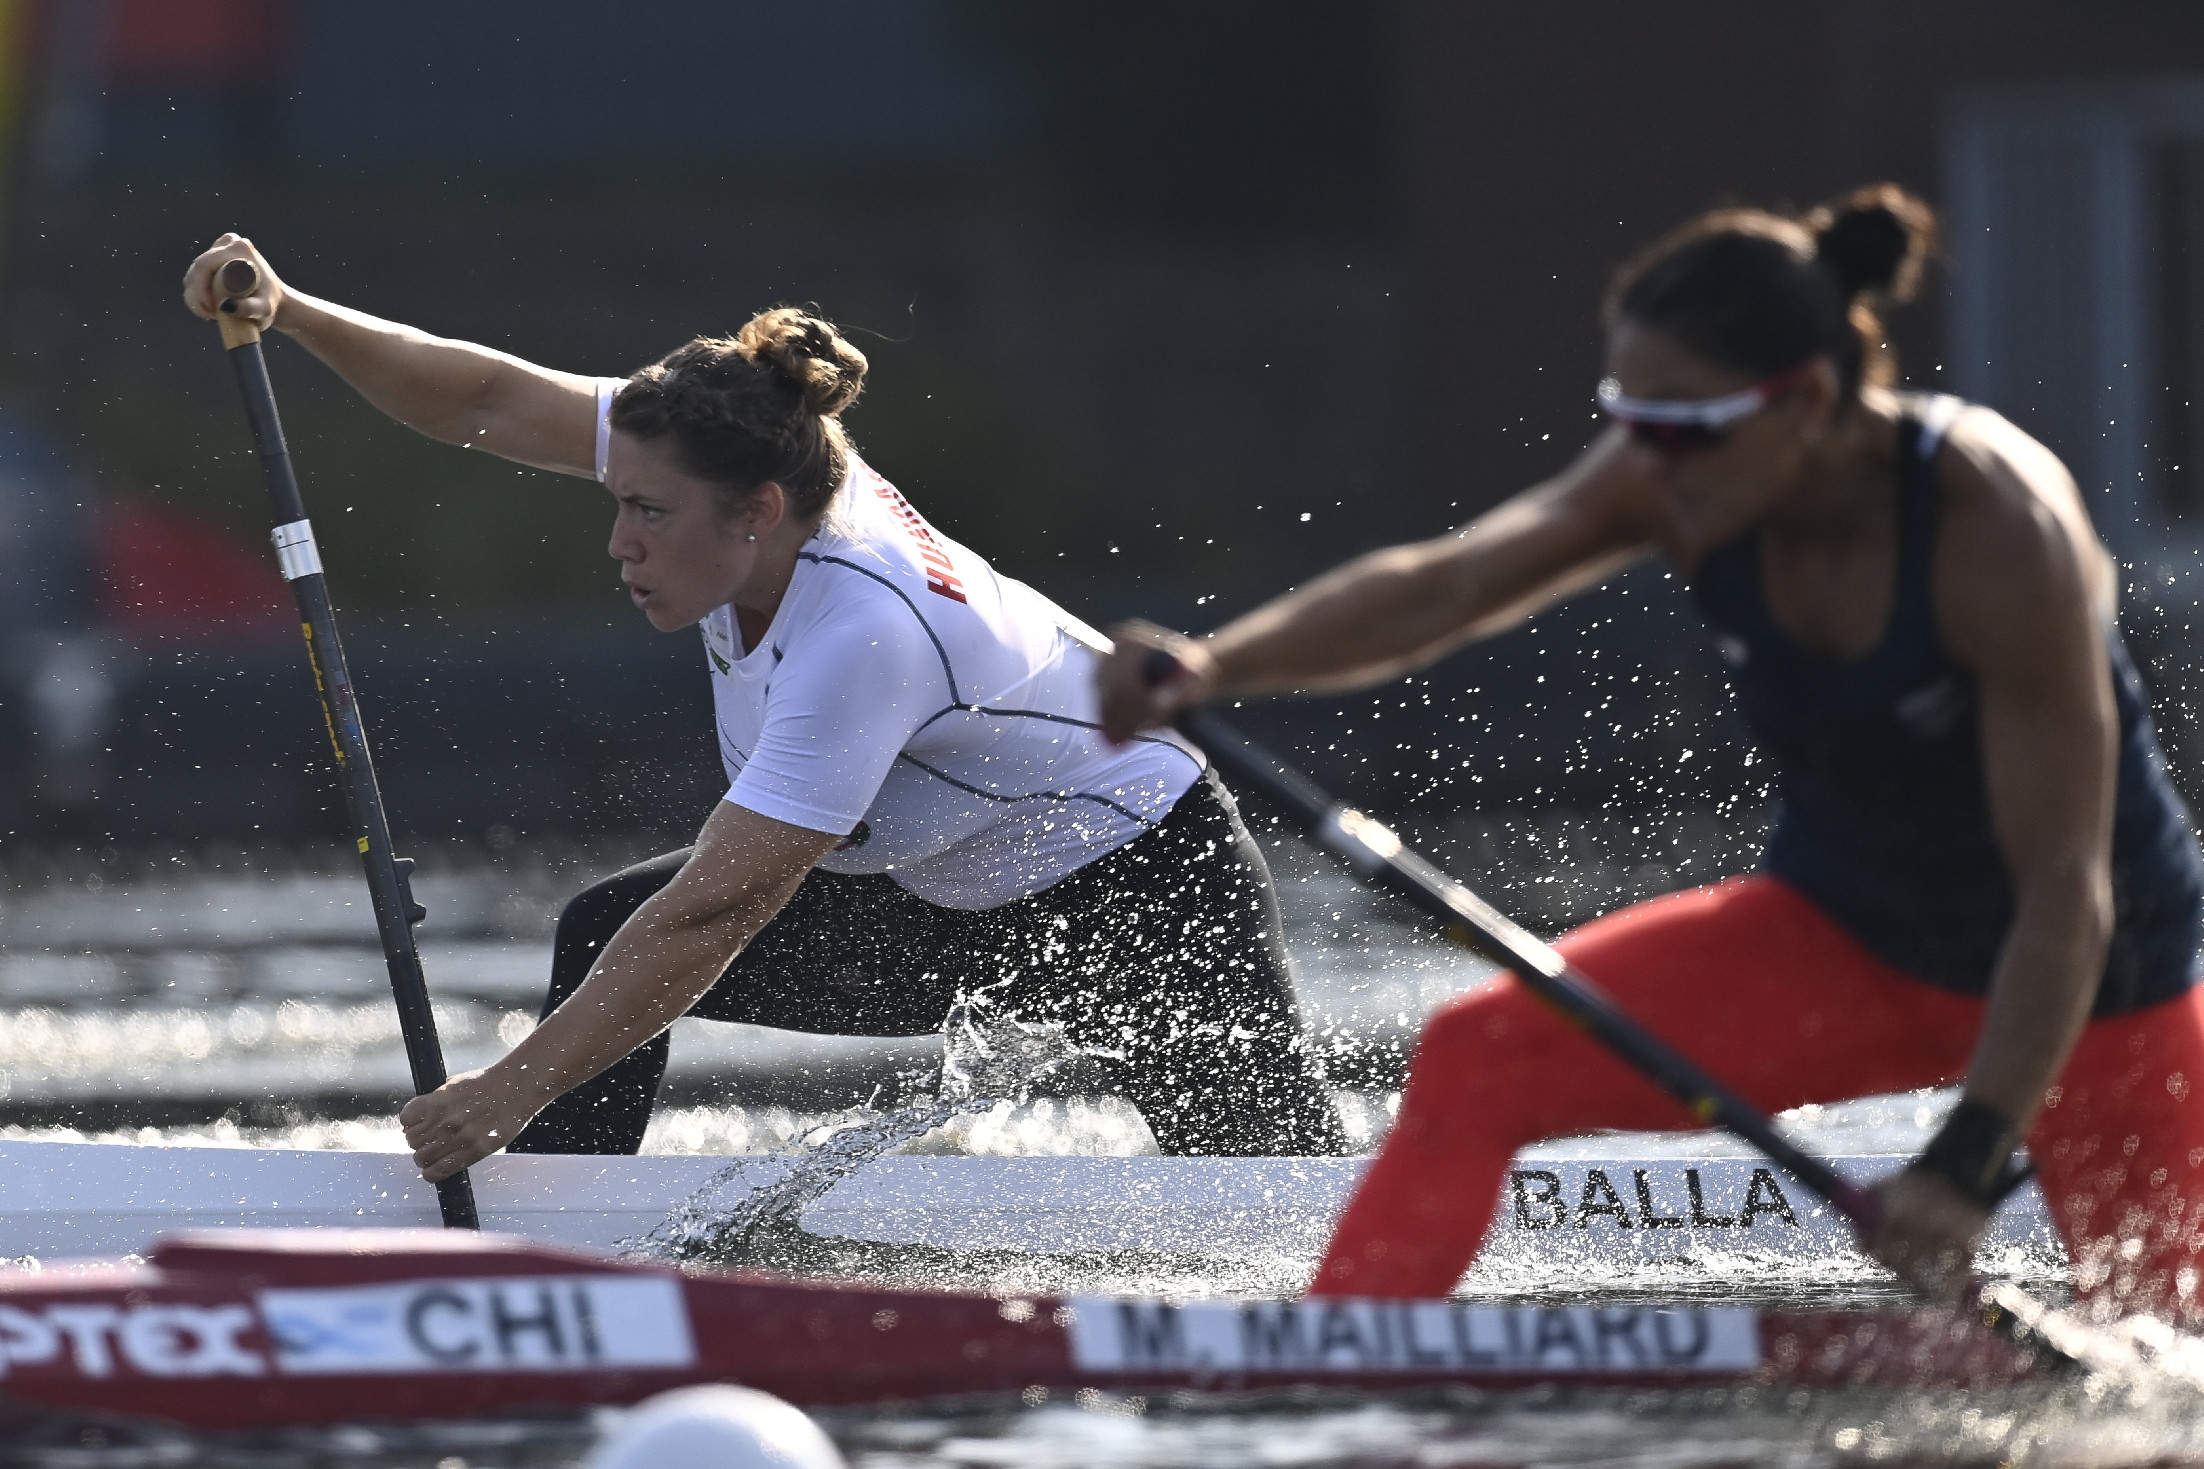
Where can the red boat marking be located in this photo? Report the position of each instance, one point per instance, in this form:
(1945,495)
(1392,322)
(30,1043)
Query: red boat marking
(263,1328)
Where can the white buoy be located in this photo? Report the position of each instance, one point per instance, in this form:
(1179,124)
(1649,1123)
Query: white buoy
(716,1428)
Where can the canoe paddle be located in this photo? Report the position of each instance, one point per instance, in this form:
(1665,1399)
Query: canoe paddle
(1383,861)
(389,878)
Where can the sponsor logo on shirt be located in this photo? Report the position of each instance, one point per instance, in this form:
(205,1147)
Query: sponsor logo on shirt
(713,638)
(1934,710)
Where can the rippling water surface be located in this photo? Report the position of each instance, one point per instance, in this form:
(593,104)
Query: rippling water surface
(236,1008)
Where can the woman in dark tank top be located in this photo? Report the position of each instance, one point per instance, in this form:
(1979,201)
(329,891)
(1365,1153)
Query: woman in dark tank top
(1882,815)
(1978,872)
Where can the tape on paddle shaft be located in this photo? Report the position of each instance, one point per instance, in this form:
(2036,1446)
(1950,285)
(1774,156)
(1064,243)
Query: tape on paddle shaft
(1369,846)
(296,552)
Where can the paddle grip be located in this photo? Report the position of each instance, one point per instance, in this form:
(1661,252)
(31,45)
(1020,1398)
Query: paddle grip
(234,278)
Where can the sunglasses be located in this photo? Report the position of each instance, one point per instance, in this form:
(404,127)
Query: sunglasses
(1681,425)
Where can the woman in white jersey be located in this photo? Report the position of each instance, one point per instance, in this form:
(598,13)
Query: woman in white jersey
(920,802)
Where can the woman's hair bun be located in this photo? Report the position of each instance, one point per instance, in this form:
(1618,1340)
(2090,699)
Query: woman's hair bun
(761,405)
(808,352)
(1875,241)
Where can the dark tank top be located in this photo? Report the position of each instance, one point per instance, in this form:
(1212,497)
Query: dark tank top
(1883,816)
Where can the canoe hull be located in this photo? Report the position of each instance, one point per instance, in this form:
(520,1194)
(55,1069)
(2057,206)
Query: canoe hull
(243,1329)
(76,1199)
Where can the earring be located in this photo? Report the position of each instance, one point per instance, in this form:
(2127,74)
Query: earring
(750,538)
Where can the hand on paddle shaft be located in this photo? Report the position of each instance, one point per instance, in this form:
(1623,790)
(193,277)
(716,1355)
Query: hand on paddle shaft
(258,305)
(1152,676)
(466,1119)
(1927,1233)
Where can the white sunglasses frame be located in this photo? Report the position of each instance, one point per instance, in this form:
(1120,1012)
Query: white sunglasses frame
(1712,413)
(1705,412)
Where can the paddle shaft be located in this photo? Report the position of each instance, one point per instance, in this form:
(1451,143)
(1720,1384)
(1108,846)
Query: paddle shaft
(388,881)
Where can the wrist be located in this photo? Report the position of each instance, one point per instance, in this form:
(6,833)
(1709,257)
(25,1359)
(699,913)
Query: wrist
(1973,1153)
(1175,659)
(1215,666)
(295,314)
(1202,666)
(527,1079)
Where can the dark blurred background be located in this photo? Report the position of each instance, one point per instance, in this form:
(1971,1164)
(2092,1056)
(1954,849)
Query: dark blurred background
(1168,306)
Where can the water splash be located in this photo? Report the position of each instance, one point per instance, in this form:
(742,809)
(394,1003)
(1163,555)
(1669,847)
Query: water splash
(985,1062)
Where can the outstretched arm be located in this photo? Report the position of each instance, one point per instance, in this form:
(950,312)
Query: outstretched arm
(454,391)
(1395,610)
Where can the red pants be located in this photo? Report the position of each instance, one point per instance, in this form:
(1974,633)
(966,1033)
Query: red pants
(1754,983)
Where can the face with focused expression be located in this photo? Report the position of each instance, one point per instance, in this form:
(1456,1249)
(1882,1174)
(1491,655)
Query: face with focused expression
(1714,491)
(681,554)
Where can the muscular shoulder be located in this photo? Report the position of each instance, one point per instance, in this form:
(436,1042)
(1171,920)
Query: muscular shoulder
(2019,566)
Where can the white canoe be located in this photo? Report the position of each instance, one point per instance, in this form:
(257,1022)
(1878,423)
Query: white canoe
(1586,1198)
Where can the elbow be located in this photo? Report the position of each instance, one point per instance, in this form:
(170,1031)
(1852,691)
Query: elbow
(2099,914)
(2095,912)
(472,420)
(1435,605)
(472,406)
(708,914)
(1435,581)
(720,915)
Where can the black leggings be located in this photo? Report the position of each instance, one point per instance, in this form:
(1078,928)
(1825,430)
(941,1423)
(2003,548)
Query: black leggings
(1166,950)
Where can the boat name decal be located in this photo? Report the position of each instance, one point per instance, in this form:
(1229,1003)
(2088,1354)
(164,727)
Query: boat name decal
(162,1340)
(520,1323)
(1541,1202)
(1349,1337)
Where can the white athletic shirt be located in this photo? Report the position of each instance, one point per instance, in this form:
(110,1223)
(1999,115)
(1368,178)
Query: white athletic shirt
(940,716)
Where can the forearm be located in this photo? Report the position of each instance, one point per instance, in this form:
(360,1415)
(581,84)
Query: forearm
(650,974)
(427,383)
(1368,620)
(2040,997)
(669,953)
(1395,610)
(458,392)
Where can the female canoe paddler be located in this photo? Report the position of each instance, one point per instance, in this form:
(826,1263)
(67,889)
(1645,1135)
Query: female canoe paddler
(920,803)
(1977,871)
